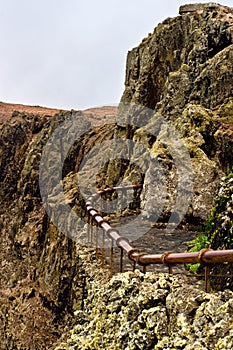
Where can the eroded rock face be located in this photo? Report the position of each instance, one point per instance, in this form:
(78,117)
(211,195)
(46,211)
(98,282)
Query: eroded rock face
(179,50)
(137,311)
(183,72)
(42,273)
(16,136)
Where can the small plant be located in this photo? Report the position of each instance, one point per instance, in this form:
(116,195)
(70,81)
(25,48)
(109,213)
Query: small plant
(197,244)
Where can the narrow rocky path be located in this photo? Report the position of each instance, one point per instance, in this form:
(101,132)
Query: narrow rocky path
(155,241)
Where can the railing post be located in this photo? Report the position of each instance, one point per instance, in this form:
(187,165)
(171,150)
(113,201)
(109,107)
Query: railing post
(207,278)
(103,250)
(92,229)
(164,257)
(121,259)
(111,258)
(88,227)
(97,242)
(134,265)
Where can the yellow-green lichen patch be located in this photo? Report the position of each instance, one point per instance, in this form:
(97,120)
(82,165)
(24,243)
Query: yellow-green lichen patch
(147,311)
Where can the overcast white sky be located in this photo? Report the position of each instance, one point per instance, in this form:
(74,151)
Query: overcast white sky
(72,53)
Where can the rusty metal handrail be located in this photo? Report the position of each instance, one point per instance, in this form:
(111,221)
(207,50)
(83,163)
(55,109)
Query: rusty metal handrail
(204,257)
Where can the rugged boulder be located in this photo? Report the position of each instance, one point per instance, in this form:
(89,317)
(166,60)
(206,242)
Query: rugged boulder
(137,311)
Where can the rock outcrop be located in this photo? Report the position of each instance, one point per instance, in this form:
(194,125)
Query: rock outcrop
(137,311)
(183,73)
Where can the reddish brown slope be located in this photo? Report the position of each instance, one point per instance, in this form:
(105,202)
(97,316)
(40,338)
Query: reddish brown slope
(94,114)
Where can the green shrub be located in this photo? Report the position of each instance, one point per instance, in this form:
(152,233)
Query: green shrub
(197,244)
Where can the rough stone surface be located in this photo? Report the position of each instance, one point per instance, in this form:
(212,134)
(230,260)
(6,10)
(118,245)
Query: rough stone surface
(183,73)
(137,311)
(219,230)
(42,274)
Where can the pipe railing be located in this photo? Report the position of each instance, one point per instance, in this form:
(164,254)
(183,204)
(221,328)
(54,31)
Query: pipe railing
(205,257)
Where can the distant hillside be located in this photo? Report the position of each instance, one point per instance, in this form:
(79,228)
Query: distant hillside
(94,114)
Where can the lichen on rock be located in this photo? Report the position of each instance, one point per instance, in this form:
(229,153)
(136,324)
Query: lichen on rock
(147,311)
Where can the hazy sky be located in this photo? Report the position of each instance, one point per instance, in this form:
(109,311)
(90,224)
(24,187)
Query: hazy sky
(72,53)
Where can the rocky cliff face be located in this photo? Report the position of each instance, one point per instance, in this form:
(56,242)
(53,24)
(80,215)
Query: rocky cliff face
(180,56)
(183,74)
(42,276)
